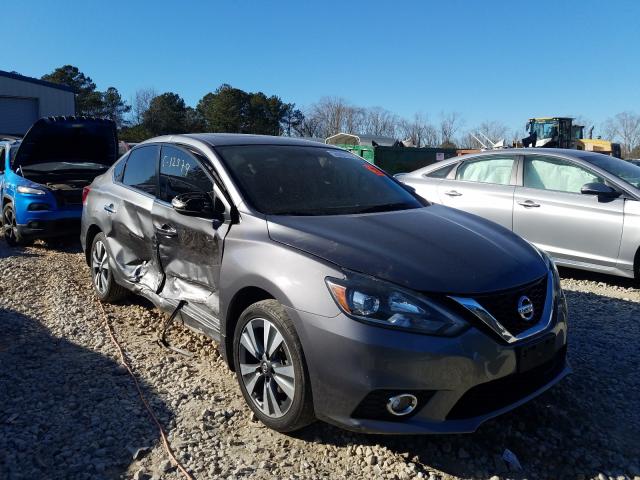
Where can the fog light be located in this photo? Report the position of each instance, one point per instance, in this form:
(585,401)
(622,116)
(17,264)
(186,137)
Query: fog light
(35,207)
(402,404)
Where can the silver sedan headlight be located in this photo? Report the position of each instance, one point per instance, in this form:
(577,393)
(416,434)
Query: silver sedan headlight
(383,304)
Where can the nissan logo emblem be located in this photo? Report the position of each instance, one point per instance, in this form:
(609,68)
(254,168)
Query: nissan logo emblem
(525,308)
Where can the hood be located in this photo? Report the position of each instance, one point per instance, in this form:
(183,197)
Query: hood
(433,249)
(68,139)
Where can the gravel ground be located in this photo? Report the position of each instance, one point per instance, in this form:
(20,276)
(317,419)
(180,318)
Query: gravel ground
(69,410)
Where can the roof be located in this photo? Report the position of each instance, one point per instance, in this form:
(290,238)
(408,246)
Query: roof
(358,139)
(44,83)
(227,139)
(552,118)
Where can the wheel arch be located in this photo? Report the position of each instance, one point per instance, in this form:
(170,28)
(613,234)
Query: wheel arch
(92,231)
(241,300)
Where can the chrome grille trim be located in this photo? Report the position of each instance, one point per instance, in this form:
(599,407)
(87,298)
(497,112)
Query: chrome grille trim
(488,319)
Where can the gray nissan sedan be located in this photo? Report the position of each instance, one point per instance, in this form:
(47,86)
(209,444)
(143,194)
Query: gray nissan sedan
(582,208)
(334,291)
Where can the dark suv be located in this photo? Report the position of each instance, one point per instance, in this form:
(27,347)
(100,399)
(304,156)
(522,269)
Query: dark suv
(333,290)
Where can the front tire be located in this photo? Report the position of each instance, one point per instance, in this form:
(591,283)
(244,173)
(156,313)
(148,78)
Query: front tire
(271,369)
(10,227)
(104,284)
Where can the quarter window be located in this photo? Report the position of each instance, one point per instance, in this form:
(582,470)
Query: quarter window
(181,173)
(441,172)
(118,170)
(495,170)
(547,173)
(140,171)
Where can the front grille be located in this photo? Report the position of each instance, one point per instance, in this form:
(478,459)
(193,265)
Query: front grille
(374,405)
(491,396)
(68,197)
(504,306)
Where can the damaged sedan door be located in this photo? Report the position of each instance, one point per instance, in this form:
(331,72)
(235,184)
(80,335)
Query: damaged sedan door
(131,237)
(190,221)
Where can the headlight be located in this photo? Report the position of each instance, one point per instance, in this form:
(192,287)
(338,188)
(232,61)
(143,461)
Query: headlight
(379,303)
(30,190)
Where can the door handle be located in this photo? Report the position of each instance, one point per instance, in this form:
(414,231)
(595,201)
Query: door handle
(453,193)
(167,230)
(529,204)
(110,208)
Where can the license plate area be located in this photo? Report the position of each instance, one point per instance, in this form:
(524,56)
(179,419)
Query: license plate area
(537,353)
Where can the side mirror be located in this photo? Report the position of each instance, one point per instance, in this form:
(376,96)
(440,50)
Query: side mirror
(194,204)
(599,189)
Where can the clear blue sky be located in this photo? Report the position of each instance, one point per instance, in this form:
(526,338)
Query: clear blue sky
(488,60)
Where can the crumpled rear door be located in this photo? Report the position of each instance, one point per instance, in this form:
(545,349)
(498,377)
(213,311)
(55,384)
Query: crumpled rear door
(132,238)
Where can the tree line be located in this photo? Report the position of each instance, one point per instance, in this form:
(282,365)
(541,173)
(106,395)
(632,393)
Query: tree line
(232,110)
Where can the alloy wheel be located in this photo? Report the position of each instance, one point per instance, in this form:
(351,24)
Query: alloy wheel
(265,367)
(10,226)
(100,267)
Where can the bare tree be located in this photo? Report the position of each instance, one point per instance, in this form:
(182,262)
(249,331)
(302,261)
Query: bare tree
(493,130)
(418,131)
(354,118)
(379,121)
(450,123)
(331,115)
(625,127)
(309,127)
(141,101)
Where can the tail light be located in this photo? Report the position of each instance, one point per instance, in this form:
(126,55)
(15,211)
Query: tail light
(85,194)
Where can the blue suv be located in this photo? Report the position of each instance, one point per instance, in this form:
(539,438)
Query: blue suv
(42,176)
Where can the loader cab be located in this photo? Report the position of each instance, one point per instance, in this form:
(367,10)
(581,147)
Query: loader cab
(551,132)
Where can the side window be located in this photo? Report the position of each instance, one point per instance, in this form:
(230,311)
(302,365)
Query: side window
(495,170)
(140,170)
(118,170)
(180,172)
(2,160)
(441,172)
(549,173)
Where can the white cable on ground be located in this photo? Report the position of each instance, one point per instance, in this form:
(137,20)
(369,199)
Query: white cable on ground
(123,359)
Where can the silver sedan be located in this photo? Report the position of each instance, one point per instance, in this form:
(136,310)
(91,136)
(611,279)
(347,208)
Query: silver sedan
(582,208)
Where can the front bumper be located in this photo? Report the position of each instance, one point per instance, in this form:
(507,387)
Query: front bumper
(60,227)
(461,382)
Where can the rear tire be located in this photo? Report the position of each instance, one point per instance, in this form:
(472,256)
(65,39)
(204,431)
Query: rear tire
(105,286)
(274,380)
(10,227)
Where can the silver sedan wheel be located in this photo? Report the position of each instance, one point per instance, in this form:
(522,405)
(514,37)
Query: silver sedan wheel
(266,368)
(100,267)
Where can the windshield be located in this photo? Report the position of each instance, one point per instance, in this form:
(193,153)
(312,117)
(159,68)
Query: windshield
(622,169)
(545,129)
(300,180)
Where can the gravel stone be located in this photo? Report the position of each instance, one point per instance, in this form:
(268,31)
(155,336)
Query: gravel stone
(69,410)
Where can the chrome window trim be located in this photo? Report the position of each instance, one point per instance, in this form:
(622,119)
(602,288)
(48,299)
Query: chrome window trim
(480,312)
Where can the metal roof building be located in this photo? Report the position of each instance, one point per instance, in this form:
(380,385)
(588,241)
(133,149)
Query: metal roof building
(23,100)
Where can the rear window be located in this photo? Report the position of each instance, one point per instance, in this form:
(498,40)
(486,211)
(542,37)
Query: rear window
(140,170)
